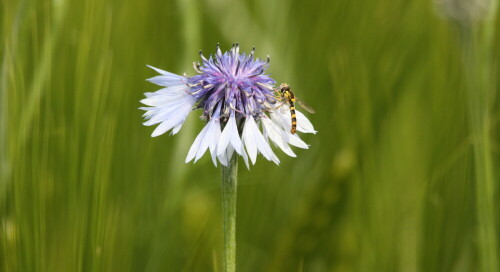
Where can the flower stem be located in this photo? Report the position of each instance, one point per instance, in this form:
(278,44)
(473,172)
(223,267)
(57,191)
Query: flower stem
(229,185)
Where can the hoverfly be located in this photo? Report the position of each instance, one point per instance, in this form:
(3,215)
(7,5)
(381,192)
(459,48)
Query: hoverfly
(287,96)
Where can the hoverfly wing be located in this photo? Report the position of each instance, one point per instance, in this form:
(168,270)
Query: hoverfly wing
(305,106)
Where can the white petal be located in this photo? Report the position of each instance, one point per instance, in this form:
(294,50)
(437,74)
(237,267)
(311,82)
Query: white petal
(207,139)
(276,134)
(245,158)
(170,109)
(281,120)
(264,147)
(149,111)
(226,156)
(163,72)
(275,159)
(162,128)
(223,158)
(229,154)
(282,117)
(167,80)
(173,121)
(183,88)
(303,124)
(196,144)
(169,117)
(168,106)
(255,141)
(168,95)
(224,139)
(177,128)
(214,140)
(214,157)
(228,140)
(175,110)
(230,135)
(234,137)
(248,139)
(284,109)
(294,140)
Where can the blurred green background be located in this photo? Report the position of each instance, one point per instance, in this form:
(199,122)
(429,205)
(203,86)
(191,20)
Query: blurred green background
(400,177)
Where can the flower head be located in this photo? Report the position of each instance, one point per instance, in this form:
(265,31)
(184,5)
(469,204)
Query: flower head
(237,99)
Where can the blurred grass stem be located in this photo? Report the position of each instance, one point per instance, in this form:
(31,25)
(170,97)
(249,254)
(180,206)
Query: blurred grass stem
(229,190)
(477,53)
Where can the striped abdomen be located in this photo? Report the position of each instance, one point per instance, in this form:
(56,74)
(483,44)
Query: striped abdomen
(291,101)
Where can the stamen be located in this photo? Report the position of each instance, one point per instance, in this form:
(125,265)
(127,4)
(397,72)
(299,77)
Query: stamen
(235,109)
(197,91)
(269,87)
(237,67)
(188,91)
(218,51)
(202,57)
(267,105)
(196,67)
